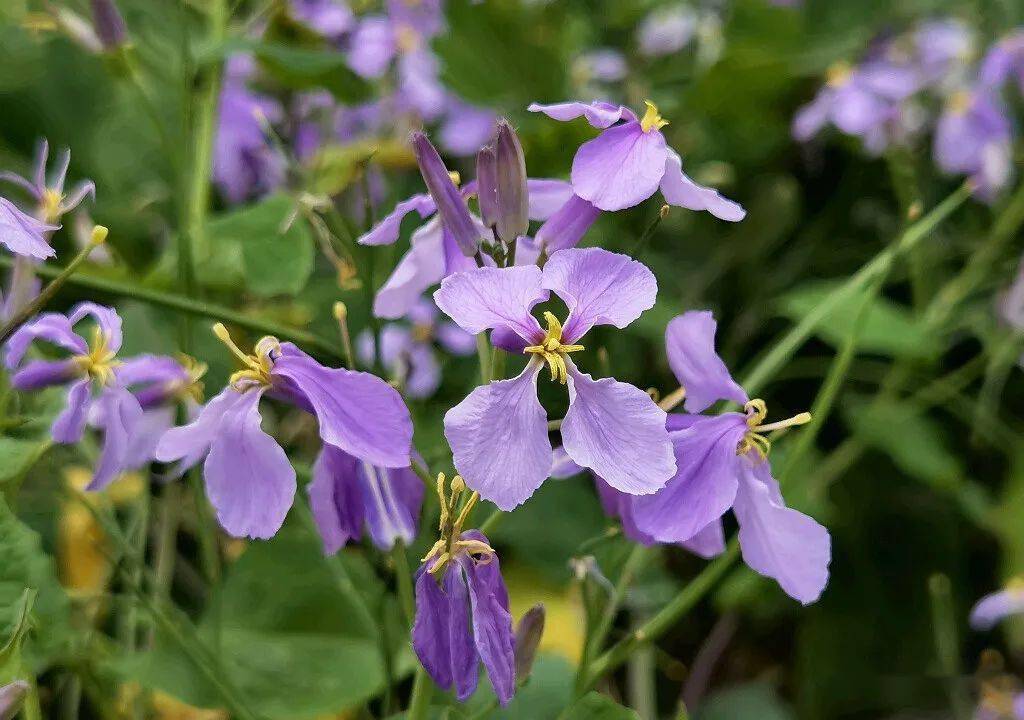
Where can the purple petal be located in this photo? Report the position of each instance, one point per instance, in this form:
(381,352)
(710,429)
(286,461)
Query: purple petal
(121,419)
(492,623)
(567,226)
(146,434)
(993,608)
(690,344)
(335,498)
(23,183)
(485,298)
(704,486)
(599,288)
(358,412)
(424,375)
(249,480)
(44,373)
(386,231)
(52,327)
(441,633)
(421,267)
(811,118)
(70,424)
(680,190)
(562,466)
(465,128)
(392,499)
(617,431)
(707,543)
(150,369)
(779,542)
(547,196)
(454,339)
(419,84)
(599,114)
(86,188)
(106,318)
(464,659)
(22,234)
(499,439)
(621,167)
(372,47)
(192,441)
(508,340)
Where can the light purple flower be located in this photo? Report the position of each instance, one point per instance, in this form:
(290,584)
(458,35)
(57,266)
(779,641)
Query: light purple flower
(630,160)
(722,463)
(90,375)
(498,434)
(11,697)
(330,18)
(463,619)
(108,23)
(943,48)
(601,64)
(22,234)
(52,202)
(249,480)
(465,127)
(993,608)
(1003,61)
(349,496)
(973,138)
(666,30)
(244,163)
(1010,304)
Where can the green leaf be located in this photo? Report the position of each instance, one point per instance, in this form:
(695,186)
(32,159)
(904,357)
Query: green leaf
(889,329)
(17,456)
(754,701)
(598,707)
(276,247)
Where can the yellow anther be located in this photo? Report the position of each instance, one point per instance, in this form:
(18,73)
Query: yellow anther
(50,204)
(757,411)
(193,387)
(439,564)
(98,236)
(407,39)
(651,119)
(99,362)
(456,178)
(257,366)
(340,311)
(838,74)
(552,350)
(457,486)
(755,438)
(959,102)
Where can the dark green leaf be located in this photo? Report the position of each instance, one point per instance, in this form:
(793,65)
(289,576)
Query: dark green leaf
(599,707)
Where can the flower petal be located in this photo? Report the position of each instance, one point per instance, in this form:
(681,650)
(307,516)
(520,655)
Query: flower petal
(44,373)
(386,231)
(457,341)
(121,419)
(598,113)
(709,542)
(52,327)
(492,623)
(335,498)
(70,424)
(621,167)
(679,189)
(567,226)
(421,267)
(424,375)
(562,466)
(779,542)
(499,439)
(106,318)
(358,412)
(372,47)
(485,298)
(249,480)
(690,344)
(599,287)
(704,486)
(22,234)
(547,196)
(193,440)
(993,608)
(392,498)
(617,431)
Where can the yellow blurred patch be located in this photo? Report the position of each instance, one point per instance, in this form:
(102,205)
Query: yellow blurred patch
(564,625)
(167,707)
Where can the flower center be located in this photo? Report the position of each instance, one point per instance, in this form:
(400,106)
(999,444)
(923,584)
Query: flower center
(193,386)
(407,39)
(755,438)
(960,102)
(838,74)
(99,362)
(422,332)
(49,204)
(257,365)
(651,119)
(450,546)
(552,349)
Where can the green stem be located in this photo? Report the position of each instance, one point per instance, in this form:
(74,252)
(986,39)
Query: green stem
(403,577)
(634,562)
(947,644)
(422,690)
(483,352)
(491,522)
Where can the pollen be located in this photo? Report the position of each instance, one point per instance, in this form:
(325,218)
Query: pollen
(99,362)
(454,515)
(49,205)
(651,119)
(552,350)
(838,74)
(755,437)
(257,365)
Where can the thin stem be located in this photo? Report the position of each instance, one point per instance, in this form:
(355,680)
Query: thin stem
(403,577)
(422,689)
(491,522)
(483,353)
(947,644)
(638,556)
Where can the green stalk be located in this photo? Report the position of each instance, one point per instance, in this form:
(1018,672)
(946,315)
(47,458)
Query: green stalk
(483,353)
(403,577)
(947,644)
(634,562)
(422,690)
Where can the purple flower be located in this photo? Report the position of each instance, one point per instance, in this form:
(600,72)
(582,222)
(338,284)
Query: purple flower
(1010,304)
(249,480)
(348,494)
(629,161)
(109,24)
(498,434)
(244,163)
(408,353)
(722,463)
(90,375)
(330,18)
(465,127)
(11,697)
(993,608)
(1004,60)
(666,30)
(463,618)
(22,234)
(943,48)
(973,138)
(602,64)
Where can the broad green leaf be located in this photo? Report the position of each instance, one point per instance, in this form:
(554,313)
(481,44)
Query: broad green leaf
(599,707)
(17,456)
(276,246)
(889,329)
(754,701)
(543,697)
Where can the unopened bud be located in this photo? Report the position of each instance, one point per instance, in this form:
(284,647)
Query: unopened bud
(12,696)
(513,219)
(458,485)
(108,23)
(340,311)
(487,185)
(450,205)
(98,236)
(528,635)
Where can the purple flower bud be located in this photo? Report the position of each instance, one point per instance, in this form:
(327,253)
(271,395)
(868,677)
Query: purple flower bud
(513,197)
(450,205)
(109,24)
(11,697)
(528,634)
(487,185)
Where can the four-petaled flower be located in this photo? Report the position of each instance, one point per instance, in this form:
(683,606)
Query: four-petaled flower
(498,434)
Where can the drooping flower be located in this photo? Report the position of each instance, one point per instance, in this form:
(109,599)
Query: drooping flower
(666,30)
(462,608)
(349,496)
(408,352)
(249,480)
(630,160)
(995,607)
(90,375)
(1004,60)
(498,434)
(722,463)
(973,138)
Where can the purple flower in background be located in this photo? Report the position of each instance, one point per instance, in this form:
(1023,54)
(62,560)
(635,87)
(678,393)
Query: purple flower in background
(465,127)
(498,434)
(348,495)
(629,161)
(722,463)
(1004,60)
(943,48)
(973,138)
(463,618)
(90,375)
(1000,700)
(330,18)
(108,23)
(602,64)
(249,480)
(1010,304)
(993,608)
(11,697)
(22,234)
(408,352)
(666,30)
(244,163)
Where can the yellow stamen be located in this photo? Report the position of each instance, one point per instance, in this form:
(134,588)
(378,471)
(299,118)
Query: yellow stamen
(553,351)
(99,362)
(960,102)
(838,74)
(755,438)
(456,178)
(258,365)
(98,236)
(651,119)
(406,39)
(50,205)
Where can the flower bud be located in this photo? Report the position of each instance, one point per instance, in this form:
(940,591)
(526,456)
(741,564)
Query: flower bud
(528,634)
(11,697)
(487,185)
(450,206)
(513,219)
(108,23)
